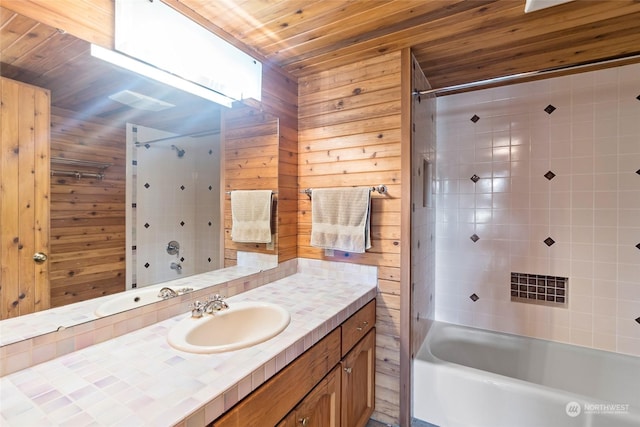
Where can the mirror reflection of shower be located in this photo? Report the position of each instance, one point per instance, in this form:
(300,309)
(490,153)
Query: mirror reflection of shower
(180,151)
(172,197)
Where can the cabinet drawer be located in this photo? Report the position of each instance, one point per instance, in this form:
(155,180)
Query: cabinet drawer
(357,326)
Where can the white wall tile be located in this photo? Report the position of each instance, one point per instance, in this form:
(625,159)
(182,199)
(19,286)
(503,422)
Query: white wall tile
(591,208)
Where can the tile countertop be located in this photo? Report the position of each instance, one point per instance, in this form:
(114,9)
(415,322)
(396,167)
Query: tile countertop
(138,379)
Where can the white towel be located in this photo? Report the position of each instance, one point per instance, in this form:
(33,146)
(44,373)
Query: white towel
(340,219)
(251,216)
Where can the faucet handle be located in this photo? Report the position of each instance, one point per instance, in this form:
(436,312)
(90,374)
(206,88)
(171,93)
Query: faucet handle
(197,309)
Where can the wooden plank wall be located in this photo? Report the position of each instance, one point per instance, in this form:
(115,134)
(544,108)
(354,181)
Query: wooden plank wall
(349,134)
(87,214)
(250,141)
(24,197)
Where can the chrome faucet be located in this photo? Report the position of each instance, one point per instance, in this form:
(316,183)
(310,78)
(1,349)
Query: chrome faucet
(214,303)
(166,293)
(176,266)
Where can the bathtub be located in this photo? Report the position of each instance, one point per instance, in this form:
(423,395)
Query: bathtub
(472,377)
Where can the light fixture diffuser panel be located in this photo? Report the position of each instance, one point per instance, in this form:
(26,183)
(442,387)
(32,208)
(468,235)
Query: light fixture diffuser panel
(533,5)
(140,101)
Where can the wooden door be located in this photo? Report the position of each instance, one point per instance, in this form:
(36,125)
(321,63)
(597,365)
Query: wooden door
(358,382)
(24,198)
(321,407)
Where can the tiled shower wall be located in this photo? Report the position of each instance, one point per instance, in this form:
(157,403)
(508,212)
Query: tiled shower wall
(498,213)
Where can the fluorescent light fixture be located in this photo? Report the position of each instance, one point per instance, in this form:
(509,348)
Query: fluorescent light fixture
(158,75)
(140,101)
(532,5)
(156,34)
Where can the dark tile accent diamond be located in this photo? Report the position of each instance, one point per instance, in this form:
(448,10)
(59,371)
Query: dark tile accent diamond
(475,118)
(549,241)
(638,171)
(134,205)
(181,259)
(474,297)
(638,319)
(209,223)
(134,162)
(209,259)
(475,178)
(147,265)
(550,109)
(182,223)
(210,152)
(475,238)
(147,185)
(638,97)
(134,285)
(147,146)
(146,225)
(182,187)
(638,246)
(210,188)
(549,175)
(134,247)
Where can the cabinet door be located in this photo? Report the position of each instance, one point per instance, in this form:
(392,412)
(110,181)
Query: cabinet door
(358,382)
(321,407)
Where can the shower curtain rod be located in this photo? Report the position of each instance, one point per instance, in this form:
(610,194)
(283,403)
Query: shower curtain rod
(481,83)
(168,138)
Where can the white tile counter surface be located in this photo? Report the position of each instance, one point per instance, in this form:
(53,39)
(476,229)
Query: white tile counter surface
(138,379)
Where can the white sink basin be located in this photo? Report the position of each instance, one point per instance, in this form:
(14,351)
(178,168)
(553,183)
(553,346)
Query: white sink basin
(130,299)
(242,325)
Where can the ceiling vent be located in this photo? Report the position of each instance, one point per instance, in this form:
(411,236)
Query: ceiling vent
(140,101)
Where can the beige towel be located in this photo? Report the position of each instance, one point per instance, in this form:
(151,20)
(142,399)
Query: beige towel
(340,219)
(251,216)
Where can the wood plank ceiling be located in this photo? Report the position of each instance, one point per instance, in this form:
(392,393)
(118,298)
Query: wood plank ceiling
(455,41)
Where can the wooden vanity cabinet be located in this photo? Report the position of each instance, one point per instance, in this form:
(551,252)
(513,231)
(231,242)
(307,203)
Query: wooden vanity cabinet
(330,385)
(321,407)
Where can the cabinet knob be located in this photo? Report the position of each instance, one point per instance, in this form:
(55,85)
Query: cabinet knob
(347,370)
(304,421)
(364,325)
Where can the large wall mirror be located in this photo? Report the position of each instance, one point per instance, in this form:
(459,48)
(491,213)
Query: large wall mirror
(139,181)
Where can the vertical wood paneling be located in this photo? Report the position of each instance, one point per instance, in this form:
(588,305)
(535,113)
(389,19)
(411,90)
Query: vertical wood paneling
(9,197)
(24,194)
(42,193)
(350,134)
(87,214)
(26,191)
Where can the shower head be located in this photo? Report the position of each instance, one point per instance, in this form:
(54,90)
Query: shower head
(180,151)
